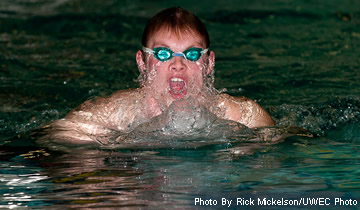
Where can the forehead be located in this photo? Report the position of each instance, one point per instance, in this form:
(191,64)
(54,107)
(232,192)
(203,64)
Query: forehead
(170,38)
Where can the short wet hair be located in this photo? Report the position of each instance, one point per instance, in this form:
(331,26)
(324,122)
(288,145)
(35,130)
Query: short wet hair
(176,20)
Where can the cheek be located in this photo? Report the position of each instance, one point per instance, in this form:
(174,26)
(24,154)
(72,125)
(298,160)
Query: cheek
(157,71)
(196,77)
(201,64)
(200,75)
(200,68)
(152,66)
(152,63)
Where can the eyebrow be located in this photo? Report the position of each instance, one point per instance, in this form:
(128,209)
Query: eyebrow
(161,44)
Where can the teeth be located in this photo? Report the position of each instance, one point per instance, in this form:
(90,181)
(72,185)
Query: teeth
(177,80)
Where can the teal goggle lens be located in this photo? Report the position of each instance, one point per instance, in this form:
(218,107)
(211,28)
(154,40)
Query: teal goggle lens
(164,54)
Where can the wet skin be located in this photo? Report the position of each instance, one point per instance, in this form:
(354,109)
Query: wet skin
(176,79)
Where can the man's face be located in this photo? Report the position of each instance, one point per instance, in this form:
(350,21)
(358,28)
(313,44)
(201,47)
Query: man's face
(177,78)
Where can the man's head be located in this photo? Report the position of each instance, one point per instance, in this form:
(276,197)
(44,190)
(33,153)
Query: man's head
(178,21)
(178,77)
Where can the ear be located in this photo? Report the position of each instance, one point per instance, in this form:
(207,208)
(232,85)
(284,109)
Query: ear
(140,61)
(211,63)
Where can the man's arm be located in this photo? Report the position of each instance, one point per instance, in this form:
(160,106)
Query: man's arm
(244,111)
(75,130)
(94,122)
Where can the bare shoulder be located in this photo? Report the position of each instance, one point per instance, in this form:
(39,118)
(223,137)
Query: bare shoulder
(244,110)
(95,118)
(116,111)
(120,96)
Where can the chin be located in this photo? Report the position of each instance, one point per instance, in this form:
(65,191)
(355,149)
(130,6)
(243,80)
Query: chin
(179,96)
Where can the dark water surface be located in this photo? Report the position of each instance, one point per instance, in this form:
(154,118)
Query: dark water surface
(298,59)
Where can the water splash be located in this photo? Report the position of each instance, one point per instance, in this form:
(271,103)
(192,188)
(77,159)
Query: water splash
(189,124)
(319,119)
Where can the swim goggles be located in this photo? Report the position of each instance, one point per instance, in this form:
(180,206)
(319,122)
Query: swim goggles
(164,54)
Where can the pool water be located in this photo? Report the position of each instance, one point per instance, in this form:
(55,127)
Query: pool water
(298,59)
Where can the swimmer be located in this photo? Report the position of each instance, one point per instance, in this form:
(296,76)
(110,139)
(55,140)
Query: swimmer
(175,64)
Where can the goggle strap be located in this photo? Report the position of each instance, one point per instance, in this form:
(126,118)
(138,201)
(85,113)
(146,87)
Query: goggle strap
(147,50)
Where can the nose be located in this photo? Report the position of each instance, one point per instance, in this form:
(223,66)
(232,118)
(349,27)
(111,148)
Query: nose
(177,64)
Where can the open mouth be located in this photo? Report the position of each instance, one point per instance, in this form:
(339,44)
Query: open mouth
(177,87)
